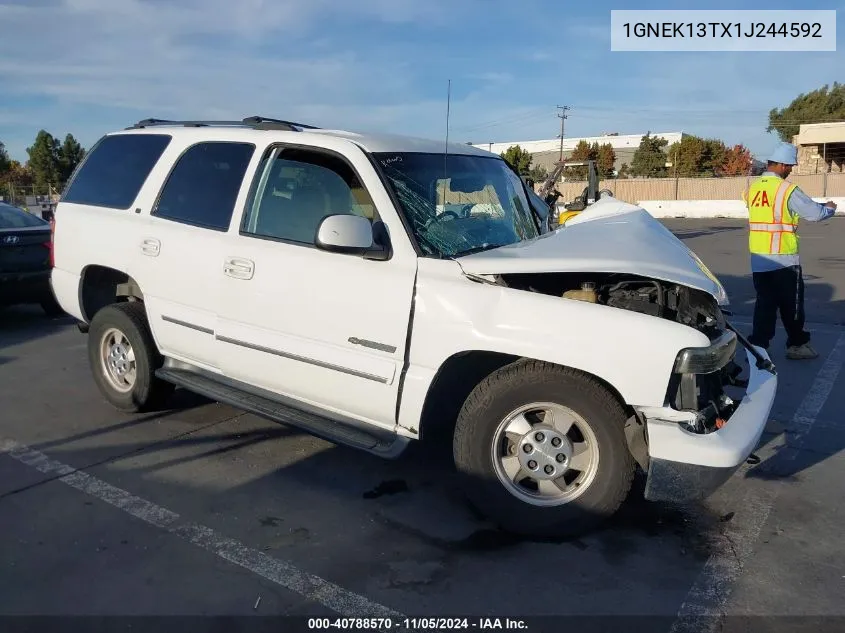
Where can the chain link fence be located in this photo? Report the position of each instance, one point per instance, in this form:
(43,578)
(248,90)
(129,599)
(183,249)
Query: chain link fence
(40,201)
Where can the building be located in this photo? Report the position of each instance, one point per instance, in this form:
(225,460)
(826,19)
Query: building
(546,153)
(821,148)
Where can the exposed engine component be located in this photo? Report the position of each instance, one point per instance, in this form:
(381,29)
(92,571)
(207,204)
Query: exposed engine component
(586,293)
(629,292)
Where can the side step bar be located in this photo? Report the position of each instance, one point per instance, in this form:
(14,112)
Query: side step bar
(382,443)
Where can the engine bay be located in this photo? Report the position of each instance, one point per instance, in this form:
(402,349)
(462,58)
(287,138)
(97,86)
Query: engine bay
(675,302)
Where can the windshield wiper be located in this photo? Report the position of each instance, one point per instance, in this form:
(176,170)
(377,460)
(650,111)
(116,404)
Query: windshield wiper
(478,249)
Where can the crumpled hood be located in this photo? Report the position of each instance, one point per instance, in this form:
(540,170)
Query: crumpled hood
(608,237)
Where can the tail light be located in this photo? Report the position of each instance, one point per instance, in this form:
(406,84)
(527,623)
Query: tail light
(49,245)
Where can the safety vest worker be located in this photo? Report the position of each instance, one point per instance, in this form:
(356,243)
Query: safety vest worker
(774,208)
(773,228)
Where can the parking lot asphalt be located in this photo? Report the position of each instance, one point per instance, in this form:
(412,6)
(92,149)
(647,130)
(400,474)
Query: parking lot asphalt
(204,510)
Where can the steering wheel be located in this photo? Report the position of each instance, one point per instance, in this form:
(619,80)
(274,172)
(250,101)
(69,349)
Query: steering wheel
(439,218)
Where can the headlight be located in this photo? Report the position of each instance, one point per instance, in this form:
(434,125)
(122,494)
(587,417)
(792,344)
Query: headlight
(706,360)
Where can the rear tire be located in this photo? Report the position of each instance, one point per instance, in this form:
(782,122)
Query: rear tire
(123,358)
(576,455)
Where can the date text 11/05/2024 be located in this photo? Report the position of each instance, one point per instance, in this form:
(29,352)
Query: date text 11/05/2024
(417,624)
(722,29)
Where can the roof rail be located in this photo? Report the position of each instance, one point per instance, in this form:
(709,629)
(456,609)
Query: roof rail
(255,122)
(262,122)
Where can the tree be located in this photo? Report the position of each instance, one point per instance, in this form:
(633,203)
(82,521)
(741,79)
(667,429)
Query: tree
(713,157)
(519,159)
(4,160)
(538,173)
(695,156)
(605,159)
(70,154)
(44,161)
(650,160)
(582,151)
(736,162)
(820,105)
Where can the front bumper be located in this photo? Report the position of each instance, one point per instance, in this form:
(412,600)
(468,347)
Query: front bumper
(687,466)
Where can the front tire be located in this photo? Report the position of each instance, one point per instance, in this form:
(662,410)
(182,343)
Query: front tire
(123,358)
(541,450)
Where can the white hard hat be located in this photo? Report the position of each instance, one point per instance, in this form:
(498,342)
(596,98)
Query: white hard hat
(785,153)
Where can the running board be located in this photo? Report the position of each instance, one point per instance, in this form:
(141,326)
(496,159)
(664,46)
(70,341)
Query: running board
(382,443)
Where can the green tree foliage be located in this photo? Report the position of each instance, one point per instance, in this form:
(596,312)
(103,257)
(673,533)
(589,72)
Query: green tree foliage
(70,154)
(650,158)
(44,161)
(538,173)
(603,155)
(519,159)
(5,163)
(582,151)
(51,163)
(820,105)
(695,156)
(605,159)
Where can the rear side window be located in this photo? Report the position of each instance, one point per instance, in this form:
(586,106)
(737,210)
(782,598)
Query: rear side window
(203,186)
(14,218)
(115,170)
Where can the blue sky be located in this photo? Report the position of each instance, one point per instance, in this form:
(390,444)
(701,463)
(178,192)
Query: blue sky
(91,66)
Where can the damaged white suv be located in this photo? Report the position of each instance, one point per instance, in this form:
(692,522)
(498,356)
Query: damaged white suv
(369,289)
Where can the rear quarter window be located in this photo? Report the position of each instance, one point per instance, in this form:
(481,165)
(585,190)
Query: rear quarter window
(14,218)
(115,170)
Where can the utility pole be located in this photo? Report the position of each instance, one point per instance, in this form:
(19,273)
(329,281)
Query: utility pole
(562,116)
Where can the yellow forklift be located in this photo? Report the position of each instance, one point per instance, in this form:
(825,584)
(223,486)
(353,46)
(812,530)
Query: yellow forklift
(550,194)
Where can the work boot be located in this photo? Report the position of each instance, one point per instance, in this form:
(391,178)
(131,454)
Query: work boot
(801,352)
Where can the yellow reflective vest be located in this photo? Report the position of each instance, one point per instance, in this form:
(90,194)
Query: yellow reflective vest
(772,227)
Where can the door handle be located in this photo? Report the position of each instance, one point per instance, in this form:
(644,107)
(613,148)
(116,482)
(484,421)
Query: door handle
(151,246)
(238,268)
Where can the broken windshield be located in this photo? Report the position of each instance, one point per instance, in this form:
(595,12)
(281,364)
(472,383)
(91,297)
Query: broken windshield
(457,204)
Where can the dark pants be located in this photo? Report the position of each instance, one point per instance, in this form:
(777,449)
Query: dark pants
(779,290)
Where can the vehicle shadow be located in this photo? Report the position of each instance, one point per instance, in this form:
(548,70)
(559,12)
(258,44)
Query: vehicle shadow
(21,324)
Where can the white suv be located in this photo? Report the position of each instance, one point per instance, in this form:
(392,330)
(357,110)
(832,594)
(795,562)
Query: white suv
(371,288)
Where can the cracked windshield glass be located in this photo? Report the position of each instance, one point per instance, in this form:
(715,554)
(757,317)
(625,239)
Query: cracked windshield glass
(457,205)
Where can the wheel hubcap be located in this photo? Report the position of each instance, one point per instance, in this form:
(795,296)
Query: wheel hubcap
(118,360)
(545,454)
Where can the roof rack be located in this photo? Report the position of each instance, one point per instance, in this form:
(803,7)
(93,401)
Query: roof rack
(254,122)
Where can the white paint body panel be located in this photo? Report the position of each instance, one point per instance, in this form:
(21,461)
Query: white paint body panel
(727,447)
(308,303)
(307,310)
(454,314)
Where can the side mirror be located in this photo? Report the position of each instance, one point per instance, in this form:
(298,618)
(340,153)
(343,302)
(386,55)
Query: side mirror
(350,234)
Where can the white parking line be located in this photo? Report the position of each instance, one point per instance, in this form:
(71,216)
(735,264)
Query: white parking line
(314,588)
(709,595)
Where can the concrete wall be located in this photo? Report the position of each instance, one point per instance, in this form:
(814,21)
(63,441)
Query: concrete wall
(711,208)
(636,189)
